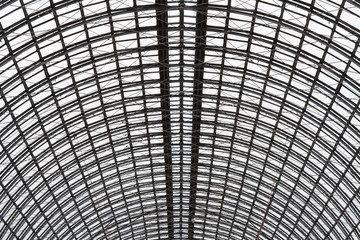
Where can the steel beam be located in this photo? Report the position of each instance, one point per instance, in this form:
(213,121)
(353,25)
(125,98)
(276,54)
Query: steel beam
(163,50)
(201,22)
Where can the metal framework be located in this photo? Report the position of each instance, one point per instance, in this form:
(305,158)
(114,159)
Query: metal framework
(179,119)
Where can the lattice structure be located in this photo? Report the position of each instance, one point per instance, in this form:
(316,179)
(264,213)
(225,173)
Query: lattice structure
(179,119)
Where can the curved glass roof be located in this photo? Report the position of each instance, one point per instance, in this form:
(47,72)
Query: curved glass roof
(179,119)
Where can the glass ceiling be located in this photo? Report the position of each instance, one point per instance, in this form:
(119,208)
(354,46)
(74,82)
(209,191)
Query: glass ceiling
(179,119)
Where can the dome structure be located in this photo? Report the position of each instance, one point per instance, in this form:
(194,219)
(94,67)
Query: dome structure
(179,119)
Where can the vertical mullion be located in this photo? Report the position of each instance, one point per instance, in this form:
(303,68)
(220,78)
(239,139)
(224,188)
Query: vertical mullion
(163,51)
(181,120)
(200,46)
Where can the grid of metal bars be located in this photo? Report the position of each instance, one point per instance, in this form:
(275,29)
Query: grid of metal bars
(186,119)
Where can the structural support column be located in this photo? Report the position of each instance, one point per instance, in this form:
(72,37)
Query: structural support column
(163,49)
(200,44)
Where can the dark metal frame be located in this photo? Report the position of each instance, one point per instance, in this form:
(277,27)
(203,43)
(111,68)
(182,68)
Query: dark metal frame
(167,125)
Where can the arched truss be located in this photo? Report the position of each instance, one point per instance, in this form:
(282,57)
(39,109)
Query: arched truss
(179,119)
